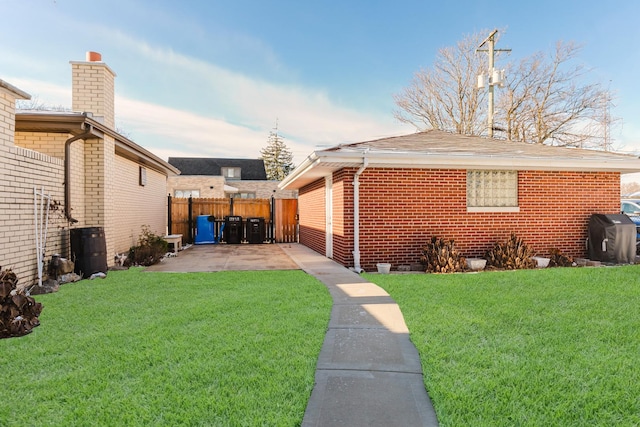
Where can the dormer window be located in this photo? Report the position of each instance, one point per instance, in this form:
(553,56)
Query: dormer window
(231,174)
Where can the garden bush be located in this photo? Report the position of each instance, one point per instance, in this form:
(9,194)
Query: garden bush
(150,249)
(513,254)
(441,256)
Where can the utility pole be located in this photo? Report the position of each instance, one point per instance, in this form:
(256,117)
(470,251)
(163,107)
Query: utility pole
(496,77)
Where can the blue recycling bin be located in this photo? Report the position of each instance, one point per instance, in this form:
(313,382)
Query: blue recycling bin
(204,229)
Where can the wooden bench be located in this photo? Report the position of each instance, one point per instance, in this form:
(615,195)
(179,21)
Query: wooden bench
(175,240)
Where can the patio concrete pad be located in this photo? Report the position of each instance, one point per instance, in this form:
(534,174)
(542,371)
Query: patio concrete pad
(224,257)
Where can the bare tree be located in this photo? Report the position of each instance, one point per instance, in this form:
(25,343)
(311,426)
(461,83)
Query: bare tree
(446,96)
(35,104)
(545,99)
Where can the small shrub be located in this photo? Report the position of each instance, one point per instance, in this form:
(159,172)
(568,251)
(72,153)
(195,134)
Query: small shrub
(558,259)
(513,254)
(441,256)
(150,249)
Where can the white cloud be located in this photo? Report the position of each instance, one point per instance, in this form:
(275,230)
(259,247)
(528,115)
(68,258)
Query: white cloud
(48,93)
(186,133)
(215,111)
(306,114)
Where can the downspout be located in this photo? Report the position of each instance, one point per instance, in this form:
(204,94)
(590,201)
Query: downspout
(67,171)
(356,215)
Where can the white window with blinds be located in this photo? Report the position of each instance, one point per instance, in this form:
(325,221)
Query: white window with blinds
(492,191)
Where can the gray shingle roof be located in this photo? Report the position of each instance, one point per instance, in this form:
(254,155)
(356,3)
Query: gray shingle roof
(250,169)
(443,150)
(434,142)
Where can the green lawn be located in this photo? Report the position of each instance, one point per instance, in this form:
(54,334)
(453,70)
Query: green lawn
(553,347)
(137,348)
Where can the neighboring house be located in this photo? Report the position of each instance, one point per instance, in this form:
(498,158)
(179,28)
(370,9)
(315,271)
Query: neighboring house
(95,176)
(382,200)
(220,178)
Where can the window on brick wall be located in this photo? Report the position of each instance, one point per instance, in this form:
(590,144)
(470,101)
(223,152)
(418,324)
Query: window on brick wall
(492,189)
(186,193)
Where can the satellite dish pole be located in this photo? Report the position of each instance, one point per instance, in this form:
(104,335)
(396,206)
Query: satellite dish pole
(496,77)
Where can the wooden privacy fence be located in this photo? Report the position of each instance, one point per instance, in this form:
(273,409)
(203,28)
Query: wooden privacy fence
(280,216)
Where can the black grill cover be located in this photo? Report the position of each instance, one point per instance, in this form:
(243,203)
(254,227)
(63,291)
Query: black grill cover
(612,238)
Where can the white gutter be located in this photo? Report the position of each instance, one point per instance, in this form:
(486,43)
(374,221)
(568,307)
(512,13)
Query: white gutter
(306,165)
(356,216)
(623,163)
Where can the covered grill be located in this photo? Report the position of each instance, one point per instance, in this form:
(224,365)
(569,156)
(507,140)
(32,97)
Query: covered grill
(612,238)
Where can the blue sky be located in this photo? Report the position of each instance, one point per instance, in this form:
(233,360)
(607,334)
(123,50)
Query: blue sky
(210,78)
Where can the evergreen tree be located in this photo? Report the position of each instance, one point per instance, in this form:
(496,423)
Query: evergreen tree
(278,159)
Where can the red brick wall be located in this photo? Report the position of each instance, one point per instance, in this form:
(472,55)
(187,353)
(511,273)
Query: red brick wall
(401,209)
(312,213)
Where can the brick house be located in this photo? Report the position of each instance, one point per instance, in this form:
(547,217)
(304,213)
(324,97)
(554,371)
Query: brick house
(95,176)
(221,177)
(381,200)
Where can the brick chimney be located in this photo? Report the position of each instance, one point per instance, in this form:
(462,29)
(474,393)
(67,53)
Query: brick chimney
(93,92)
(93,88)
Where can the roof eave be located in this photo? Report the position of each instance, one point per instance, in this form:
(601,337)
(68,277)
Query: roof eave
(54,123)
(77,123)
(307,165)
(324,163)
(14,91)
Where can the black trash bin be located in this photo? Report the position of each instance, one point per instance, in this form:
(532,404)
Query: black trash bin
(612,238)
(88,250)
(255,230)
(233,232)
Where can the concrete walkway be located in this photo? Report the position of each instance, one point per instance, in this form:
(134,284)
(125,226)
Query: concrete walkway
(368,371)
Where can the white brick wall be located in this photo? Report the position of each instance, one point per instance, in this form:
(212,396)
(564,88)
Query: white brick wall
(93,90)
(137,205)
(22,170)
(51,144)
(7,120)
(105,190)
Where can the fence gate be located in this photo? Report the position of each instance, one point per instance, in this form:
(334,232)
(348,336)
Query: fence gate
(280,215)
(286,220)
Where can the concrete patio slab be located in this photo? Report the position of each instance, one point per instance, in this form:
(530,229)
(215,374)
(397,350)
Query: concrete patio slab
(224,257)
